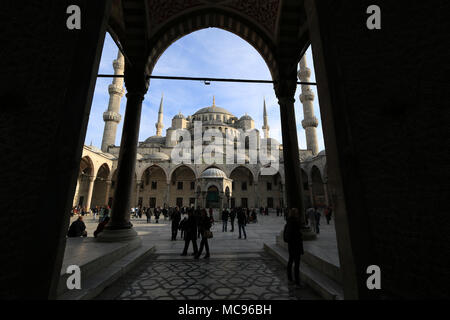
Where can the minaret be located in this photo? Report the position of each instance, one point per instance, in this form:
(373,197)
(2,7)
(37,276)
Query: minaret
(309,122)
(159,125)
(265,127)
(112,116)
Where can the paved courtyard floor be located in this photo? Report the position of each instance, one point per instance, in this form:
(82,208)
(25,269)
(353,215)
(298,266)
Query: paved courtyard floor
(237,268)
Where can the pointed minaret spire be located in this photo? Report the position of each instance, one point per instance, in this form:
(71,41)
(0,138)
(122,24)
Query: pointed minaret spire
(159,125)
(214,101)
(265,127)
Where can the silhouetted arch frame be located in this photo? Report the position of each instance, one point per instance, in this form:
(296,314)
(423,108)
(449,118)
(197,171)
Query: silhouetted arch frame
(198,19)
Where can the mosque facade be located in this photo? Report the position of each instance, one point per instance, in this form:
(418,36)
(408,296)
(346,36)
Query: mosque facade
(163,181)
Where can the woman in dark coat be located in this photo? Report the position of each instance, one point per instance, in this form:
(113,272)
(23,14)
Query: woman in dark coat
(204,225)
(293,236)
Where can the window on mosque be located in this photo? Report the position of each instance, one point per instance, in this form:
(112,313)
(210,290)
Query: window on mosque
(192,185)
(179,202)
(154,185)
(191,202)
(152,202)
(244,185)
(269,186)
(180,185)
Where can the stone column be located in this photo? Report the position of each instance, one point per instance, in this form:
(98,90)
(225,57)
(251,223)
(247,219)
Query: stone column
(168,194)
(119,227)
(108,188)
(325,192)
(89,194)
(285,91)
(255,190)
(138,189)
(311,194)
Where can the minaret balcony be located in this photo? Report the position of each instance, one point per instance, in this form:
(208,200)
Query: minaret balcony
(113,89)
(112,116)
(310,122)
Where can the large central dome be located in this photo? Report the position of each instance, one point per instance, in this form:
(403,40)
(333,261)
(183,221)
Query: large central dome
(213,109)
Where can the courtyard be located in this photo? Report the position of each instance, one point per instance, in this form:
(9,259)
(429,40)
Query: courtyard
(237,268)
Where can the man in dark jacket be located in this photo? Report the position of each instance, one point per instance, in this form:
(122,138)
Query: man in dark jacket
(224,220)
(77,228)
(232,217)
(293,236)
(176,217)
(242,220)
(191,234)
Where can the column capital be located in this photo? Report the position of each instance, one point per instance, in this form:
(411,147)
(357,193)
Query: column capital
(136,80)
(92,178)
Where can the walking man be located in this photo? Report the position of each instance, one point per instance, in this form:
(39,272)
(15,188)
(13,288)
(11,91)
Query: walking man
(176,218)
(191,234)
(225,215)
(293,236)
(232,217)
(241,223)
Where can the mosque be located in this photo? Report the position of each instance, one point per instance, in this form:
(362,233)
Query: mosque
(160,181)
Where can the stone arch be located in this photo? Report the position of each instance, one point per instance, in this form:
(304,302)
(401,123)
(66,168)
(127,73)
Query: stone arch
(243,187)
(198,19)
(172,171)
(239,167)
(86,172)
(141,174)
(318,190)
(270,191)
(182,179)
(153,186)
(100,191)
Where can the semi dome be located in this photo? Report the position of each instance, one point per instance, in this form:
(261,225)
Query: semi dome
(213,173)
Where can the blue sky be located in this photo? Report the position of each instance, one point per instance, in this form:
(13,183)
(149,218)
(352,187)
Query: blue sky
(211,53)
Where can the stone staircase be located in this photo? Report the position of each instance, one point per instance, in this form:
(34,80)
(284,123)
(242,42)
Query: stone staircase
(322,276)
(101,264)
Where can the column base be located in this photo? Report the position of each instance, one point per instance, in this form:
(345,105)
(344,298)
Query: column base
(118,235)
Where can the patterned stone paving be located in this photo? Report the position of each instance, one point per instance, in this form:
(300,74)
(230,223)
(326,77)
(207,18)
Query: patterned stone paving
(254,276)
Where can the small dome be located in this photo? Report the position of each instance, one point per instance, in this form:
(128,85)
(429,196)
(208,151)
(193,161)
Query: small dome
(179,116)
(246,117)
(213,173)
(157,156)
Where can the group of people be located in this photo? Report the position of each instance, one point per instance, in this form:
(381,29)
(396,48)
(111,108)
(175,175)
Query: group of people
(243,216)
(313,216)
(78,227)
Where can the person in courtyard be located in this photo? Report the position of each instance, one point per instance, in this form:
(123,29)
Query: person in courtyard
(328,213)
(181,227)
(165,213)
(253,216)
(232,217)
(191,234)
(317,219)
(225,214)
(293,236)
(77,229)
(148,214)
(101,226)
(204,226)
(176,218)
(157,214)
(311,215)
(241,222)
